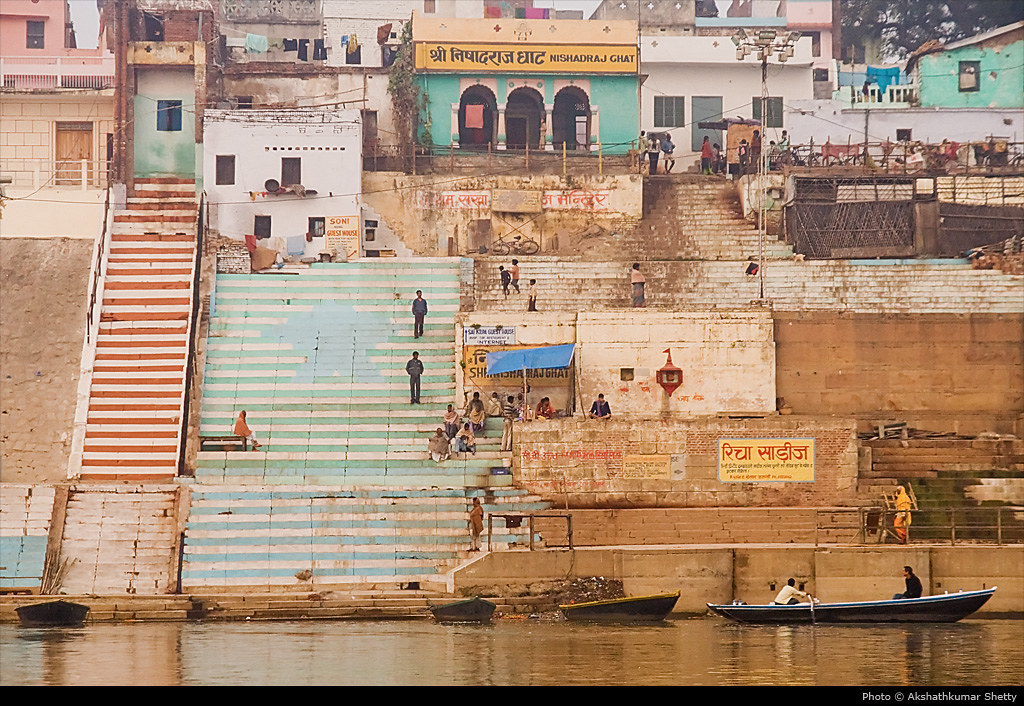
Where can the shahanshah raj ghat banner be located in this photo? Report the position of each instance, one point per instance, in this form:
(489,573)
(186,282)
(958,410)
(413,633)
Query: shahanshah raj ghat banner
(766,460)
(552,58)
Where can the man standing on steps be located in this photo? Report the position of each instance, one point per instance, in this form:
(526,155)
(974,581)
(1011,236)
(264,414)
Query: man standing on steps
(419,312)
(506,279)
(415,368)
(637,279)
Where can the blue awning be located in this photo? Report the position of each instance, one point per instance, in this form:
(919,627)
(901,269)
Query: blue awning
(530,359)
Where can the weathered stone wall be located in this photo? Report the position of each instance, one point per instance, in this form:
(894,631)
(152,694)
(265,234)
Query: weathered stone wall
(44,297)
(580,463)
(961,373)
(441,215)
(755,574)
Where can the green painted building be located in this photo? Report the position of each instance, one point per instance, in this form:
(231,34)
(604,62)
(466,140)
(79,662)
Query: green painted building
(506,84)
(984,71)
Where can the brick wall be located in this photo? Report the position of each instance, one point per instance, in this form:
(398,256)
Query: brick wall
(580,463)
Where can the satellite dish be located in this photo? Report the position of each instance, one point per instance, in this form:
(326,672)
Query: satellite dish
(271,185)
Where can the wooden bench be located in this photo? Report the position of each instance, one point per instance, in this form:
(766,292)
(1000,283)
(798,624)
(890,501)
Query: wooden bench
(225,439)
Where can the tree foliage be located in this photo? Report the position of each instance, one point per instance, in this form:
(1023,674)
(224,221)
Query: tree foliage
(405,92)
(903,25)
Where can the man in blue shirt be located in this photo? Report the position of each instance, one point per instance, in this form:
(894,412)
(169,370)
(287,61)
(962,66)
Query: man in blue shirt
(419,312)
(600,409)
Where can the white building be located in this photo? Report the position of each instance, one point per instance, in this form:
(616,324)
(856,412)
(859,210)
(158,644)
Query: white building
(359,24)
(699,79)
(291,177)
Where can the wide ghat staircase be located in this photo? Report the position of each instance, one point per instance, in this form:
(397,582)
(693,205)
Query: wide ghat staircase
(342,490)
(134,428)
(890,286)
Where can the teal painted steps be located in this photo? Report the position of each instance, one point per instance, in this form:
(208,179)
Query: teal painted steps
(317,359)
(296,535)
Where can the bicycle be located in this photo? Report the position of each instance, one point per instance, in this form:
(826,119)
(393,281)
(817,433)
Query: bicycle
(515,246)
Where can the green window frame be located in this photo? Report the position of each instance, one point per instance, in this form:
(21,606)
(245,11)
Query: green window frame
(772,113)
(669,111)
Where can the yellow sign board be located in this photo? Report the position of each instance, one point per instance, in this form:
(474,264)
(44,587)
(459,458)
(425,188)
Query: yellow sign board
(534,58)
(475,359)
(342,234)
(766,460)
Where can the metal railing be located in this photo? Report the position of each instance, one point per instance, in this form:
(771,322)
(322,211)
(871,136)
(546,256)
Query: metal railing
(910,158)
(48,173)
(453,159)
(974,525)
(31,73)
(515,519)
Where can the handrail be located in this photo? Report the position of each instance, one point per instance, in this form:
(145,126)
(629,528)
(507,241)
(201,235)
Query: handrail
(192,335)
(98,271)
(999,525)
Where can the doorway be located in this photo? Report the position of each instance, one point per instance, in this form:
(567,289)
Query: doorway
(73,144)
(477,110)
(570,119)
(524,112)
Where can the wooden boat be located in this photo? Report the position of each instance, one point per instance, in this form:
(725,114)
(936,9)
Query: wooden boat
(473,610)
(638,608)
(945,608)
(52,614)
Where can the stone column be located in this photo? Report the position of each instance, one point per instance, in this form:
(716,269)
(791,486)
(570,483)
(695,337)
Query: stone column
(501,129)
(549,137)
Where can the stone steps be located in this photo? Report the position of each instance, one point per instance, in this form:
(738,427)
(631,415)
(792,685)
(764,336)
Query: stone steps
(120,540)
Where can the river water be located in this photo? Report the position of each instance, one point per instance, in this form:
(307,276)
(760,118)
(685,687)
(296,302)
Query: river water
(695,651)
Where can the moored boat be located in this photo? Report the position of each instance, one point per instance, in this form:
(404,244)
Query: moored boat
(472,610)
(634,608)
(944,608)
(63,614)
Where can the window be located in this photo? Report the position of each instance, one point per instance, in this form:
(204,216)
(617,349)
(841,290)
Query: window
(772,113)
(168,116)
(669,111)
(243,102)
(291,171)
(261,226)
(819,75)
(317,227)
(969,71)
(429,7)
(35,32)
(369,230)
(625,374)
(903,135)
(153,27)
(225,169)
(815,43)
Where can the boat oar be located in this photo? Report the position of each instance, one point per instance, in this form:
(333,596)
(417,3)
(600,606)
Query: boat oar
(812,608)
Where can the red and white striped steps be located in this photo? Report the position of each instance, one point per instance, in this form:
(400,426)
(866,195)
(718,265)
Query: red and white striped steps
(136,402)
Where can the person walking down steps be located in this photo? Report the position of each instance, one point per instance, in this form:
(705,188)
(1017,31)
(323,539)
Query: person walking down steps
(419,313)
(415,368)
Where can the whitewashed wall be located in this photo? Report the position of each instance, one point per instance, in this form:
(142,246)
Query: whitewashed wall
(829,120)
(329,144)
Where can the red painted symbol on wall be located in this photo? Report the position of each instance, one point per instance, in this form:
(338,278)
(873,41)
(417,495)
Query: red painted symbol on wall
(669,377)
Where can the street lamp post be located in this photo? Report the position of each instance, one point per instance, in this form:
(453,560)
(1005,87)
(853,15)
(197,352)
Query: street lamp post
(764,44)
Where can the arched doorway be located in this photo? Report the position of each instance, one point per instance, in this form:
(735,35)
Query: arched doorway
(477,124)
(570,119)
(524,113)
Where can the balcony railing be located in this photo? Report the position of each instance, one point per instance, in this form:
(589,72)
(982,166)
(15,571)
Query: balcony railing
(29,73)
(900,96)
(71,173)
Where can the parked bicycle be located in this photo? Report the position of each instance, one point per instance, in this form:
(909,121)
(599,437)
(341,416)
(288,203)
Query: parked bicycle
(517,245)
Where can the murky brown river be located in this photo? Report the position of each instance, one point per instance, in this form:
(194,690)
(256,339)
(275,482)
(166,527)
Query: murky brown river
(698,651)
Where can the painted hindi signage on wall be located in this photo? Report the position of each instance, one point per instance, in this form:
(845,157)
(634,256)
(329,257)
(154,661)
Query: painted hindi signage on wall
(535,58)
(766,460)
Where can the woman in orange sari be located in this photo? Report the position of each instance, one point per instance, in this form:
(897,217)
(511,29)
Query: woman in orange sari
(242,429)
(901,523)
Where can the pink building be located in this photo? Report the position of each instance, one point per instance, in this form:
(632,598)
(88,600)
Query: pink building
(56,100)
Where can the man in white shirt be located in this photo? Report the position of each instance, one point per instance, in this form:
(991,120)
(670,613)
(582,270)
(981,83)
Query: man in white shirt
(790,596)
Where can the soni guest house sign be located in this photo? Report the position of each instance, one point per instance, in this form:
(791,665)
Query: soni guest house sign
(551,58)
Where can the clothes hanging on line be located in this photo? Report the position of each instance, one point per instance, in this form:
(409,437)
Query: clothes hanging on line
(256,43)
(291,44)
(303,50)
(319,50)
(474,116)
